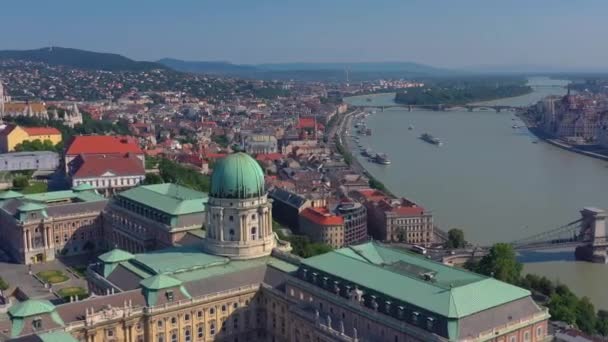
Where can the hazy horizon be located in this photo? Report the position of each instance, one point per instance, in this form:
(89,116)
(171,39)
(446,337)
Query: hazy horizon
(551,34)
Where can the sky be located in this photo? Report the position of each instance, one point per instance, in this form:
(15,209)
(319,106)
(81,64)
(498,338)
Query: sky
(446,33)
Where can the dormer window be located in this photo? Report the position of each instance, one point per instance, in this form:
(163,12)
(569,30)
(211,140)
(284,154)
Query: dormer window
(415,316)
(37,323)
(430,322)
(169,295)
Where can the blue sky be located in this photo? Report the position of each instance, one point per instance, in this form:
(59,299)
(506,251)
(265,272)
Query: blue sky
(449,33)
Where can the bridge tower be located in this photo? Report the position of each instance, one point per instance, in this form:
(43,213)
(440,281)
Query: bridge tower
(593,230)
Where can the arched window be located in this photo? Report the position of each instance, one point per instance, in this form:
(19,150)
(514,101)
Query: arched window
(254,232)
(187,335)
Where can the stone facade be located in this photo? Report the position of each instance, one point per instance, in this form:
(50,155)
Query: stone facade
(239,228)
(33,233)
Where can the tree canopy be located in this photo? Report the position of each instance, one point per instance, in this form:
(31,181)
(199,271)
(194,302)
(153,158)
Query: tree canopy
(455,238)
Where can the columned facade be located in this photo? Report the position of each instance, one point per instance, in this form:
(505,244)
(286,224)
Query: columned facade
(239,228)
(239,223)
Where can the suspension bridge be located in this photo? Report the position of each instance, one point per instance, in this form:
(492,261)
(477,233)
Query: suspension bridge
(586,235)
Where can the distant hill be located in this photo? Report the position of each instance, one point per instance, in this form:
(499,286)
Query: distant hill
(309,71)
(356,67)
(206,67)
(80,59)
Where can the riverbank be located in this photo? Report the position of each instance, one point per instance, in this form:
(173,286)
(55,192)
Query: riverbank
(558,142)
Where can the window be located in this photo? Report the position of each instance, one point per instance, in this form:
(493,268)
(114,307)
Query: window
(200,331)
(199,314)
(212,311)
(174,337)
(187,335)
(539,332)
(110,333)
(230,218)
(223,308)
(235,305)
(37,323)
(527,336)
(173,321)
(160,323)
(513,339)
(212,328)
(169,295)
(160,338)
(253,233)
(186,317)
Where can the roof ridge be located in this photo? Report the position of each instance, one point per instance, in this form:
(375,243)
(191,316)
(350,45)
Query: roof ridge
(380,267)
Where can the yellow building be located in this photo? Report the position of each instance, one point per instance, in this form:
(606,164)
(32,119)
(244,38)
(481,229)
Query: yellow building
(13,135)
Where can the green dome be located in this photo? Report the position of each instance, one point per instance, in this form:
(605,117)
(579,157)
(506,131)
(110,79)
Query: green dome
(237,176)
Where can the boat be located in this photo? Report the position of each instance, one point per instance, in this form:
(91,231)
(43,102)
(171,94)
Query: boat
(431,139)
(368,153)
(382,158)
(410,127)
(535,142)
(516,126)
(369,99)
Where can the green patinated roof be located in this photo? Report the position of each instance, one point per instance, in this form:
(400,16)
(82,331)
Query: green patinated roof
(31,307)
(54,196)
(116,255)
(59,336)
(169,198)
(237,176)
(31,207)
(177,259)
(10,194)
(453,293)
(160,281)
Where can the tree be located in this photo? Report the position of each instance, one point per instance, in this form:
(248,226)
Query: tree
(501,263)
(585,316)
(601,325)
(21,182)
(456,238)
(152,178)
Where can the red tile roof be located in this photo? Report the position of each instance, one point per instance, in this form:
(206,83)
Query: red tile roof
(372,195)
(404,208)
(97,165)
(308,123)
(269,156)
(322,216)
(33,131)
(102,144)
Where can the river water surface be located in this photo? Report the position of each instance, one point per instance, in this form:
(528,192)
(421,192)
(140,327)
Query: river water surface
(490,179)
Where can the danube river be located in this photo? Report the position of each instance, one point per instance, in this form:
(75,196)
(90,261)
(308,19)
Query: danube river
(490,179)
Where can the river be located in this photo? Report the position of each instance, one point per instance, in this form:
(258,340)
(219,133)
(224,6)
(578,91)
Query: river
(490,179)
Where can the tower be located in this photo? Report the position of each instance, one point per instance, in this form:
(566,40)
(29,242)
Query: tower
(239,221)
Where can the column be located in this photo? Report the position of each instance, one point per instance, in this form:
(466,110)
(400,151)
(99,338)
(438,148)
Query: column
(29,240)
(220,226)
(242,227)
(25,240)
(268,225)
(261,227)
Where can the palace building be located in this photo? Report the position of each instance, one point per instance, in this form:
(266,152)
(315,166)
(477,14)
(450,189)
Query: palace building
(242,284)
(35,228)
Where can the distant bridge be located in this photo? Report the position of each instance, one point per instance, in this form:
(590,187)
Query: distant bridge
(441,107)
(586,234)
